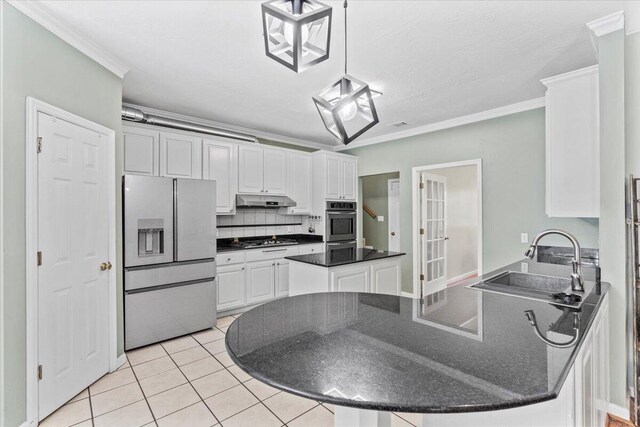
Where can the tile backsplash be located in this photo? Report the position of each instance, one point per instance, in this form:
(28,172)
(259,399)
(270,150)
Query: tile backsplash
(268,218)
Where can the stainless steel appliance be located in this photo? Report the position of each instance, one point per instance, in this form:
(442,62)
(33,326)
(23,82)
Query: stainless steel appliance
(341,221)
(259,243)
(169,258)
(263,201)
(341,251)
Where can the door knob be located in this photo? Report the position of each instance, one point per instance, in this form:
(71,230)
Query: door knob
(446,238)
(393,233)
(109,266)
(104,266)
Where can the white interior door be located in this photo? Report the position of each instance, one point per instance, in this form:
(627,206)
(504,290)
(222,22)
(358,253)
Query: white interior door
(393,195)
(433,207)
(73,237)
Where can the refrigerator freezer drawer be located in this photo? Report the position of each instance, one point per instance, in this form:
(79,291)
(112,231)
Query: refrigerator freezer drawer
(195,219)
(160,314)
(158,275)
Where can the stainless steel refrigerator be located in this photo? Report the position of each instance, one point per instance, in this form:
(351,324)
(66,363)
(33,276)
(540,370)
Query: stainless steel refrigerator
(169,258)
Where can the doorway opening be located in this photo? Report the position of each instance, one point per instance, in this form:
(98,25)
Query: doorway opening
(379,212)
(447,220)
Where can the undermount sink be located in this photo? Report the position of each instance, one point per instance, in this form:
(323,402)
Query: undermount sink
(556,290)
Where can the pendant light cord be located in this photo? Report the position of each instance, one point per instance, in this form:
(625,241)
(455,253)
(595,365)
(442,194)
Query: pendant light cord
(345,36)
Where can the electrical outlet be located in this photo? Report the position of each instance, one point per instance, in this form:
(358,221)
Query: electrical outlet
(524,267)
(524,237)
(380,218)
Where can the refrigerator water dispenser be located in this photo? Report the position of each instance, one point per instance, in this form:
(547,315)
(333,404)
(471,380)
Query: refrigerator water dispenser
(150,237)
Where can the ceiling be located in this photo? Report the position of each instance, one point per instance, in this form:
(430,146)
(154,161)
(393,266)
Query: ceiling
(432,60)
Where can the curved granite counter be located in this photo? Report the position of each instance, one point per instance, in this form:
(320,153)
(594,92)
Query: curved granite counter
(459,350)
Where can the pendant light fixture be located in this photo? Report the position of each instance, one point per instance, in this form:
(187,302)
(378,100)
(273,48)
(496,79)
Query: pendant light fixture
(297,33)
(347,107)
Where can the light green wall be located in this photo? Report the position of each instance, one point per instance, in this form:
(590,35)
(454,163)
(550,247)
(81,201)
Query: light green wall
(512,152)
(37,63)
(612,200)
(375,194)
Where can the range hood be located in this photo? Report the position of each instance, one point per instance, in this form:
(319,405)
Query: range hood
(263,201)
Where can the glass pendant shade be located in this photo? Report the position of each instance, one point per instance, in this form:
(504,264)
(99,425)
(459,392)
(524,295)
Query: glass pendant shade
(297,33)
(347,108)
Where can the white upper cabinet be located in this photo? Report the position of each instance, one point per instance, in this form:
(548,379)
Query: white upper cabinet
(299,182)
(262,170)
(573,144)
(141,151)
(335,177)
(180,156)
(275,171)
(219,163)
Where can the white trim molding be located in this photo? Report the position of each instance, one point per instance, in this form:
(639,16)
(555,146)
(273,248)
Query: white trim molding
(33,107)
(631,17)
(519,107)
(618,411)
(570,75)
(407,294)
(36,11)
(461,277)
(605,25)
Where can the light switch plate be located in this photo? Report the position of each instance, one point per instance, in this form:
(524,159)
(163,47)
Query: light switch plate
(524,237)
(524,267)
(380,218)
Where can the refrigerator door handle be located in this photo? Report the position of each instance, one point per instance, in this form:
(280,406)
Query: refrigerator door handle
(175,218)
(168,286)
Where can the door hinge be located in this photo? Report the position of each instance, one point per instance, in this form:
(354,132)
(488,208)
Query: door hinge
(39,372)
(422,277)
(422,231)
(39,144)
(422,185)
(39,256)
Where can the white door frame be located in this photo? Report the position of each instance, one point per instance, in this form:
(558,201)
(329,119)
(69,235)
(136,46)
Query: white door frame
(415,200)
(389,182)
(35,106)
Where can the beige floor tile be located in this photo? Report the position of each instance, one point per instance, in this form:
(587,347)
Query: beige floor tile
(288,406)
(214,383)
(223,329)
(153,367)
(197,415)
(201,367)
(396,421)
(329,406)
(208,335)
(190,355)
(260,389)
(161,382)
(224,358)
(317,417)
(116,398)
(224,321)
(144,354)
(87,423)
(215,347)
(134,415)
(125,365)
(257,415)
(69,414)
(230,402)
(152,424)
(414,419)
(179,344)
(113,380)
(82,395)
(241,375)
(170,401)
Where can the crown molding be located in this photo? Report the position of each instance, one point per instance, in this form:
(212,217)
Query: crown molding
(519,107)
(570,75)
(605,25)
(232,128)
(38,13)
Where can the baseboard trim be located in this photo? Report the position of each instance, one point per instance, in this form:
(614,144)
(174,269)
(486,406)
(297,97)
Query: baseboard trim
(618,411)
(407,294)
(32,423)
(462,277)
(121,360)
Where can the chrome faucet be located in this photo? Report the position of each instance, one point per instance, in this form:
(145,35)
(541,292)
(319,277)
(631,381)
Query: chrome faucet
(577,281)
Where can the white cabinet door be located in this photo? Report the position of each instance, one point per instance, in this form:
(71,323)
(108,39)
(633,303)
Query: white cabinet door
(250,169)
(354,279)
(311,249)
(275,171)
(282,278)
(180,156)
(219,163)
(231,286)
(260,281)
(141,151)
(349,179)
(299,187)
(385,278)
(333,178)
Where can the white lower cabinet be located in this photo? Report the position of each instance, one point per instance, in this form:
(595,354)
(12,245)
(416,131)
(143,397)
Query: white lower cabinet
(385,278)
(312,249)
(260,281)
(353,279)
(282,278)
(231,286)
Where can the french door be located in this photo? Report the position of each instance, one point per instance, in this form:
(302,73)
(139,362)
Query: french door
(433,232)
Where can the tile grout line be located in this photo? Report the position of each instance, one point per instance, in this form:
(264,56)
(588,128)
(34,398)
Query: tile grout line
(90,406)
(141,389)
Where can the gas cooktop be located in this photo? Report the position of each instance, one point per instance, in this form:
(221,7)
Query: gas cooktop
(263,242)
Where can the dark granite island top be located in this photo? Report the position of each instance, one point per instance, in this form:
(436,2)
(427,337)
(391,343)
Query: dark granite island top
(324,259)
(462,350)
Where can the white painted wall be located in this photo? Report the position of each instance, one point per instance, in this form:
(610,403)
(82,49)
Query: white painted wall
(462,219)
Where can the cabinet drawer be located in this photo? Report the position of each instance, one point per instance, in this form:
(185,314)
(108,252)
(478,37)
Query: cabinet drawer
(312,249)
(229,258)
(272,253)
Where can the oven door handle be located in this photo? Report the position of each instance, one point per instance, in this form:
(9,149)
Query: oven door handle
(350,242)
(341,213)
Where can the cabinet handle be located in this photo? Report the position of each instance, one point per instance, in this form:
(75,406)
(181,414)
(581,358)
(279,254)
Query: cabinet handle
(228,259)
(243,268)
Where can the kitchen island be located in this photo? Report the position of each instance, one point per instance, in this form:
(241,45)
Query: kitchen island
(362,270)
(460,356)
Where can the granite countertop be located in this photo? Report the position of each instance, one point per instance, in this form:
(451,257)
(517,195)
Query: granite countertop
(461,350)
(325,259)
(224,245)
